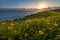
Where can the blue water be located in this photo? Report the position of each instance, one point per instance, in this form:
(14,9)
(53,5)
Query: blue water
(14,14)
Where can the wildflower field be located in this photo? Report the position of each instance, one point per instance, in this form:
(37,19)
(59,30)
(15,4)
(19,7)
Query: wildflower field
(40,26)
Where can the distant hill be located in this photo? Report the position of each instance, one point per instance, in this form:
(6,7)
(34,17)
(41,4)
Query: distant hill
(43,14)
(58,10)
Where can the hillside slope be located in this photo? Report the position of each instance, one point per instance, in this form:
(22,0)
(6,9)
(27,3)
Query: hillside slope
(40,26)
(43,14)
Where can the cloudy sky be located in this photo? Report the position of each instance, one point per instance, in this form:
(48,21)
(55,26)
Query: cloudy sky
(27,3)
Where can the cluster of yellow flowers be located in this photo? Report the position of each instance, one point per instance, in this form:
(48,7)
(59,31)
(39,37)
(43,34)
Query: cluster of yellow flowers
(11,26)
(31,22)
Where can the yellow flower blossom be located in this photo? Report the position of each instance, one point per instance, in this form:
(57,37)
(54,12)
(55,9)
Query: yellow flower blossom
(28,21)
(48,23)
(26,34)
(27,25)
(50,28)
(42,18)
(38,20)
(56,24)
(12,24)
(41,32)
(15,31)
(10,28)
(3,23)
(58,35)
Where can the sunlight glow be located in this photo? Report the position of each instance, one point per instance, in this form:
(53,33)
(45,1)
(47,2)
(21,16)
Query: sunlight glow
(42,6)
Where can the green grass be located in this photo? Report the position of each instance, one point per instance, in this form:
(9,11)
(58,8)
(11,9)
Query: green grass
(40,26)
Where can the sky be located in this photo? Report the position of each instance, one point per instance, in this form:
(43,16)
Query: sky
(27,3)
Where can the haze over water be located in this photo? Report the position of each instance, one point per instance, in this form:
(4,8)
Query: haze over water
(14,14)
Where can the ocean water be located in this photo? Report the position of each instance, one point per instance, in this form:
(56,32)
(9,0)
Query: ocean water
(14,14)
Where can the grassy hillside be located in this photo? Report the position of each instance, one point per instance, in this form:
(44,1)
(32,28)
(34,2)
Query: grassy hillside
(43,14)
(40,26)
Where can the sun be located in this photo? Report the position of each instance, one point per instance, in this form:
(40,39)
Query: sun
(42,6)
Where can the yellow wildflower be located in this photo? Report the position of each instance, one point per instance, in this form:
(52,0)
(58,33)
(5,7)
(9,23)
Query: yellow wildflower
(28,21)
(48,23)
(50,28)
(26,34)
(12,24)
(27,25)
(56,24)
(58,35)
(10,28)
(42,18)
(15,31)
(3,23)
(41,32)
(37,19)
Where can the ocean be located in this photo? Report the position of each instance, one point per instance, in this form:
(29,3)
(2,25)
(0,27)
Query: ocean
(8,14)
